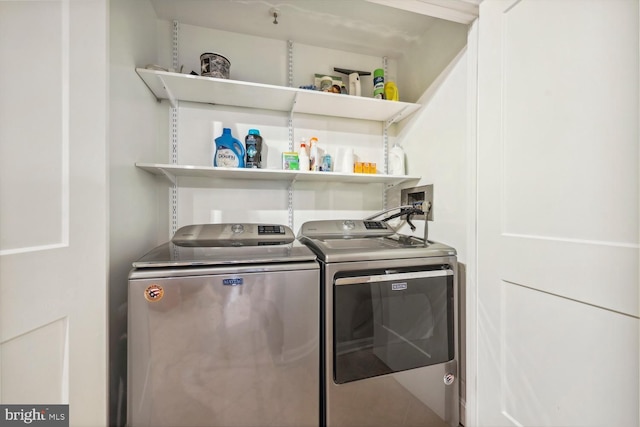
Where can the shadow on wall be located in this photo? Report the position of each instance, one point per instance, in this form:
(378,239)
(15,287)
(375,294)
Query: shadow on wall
(118,370)
(421,66)
(462,337)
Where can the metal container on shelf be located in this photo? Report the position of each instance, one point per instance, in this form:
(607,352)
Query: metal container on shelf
(214,65)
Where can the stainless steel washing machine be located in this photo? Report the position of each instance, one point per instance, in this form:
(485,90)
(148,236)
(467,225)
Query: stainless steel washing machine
(389,325)
(223,330)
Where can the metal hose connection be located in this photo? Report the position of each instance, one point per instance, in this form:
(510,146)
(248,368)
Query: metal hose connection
(405,210)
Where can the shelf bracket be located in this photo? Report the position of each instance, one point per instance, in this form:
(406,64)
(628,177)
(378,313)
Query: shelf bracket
(293,104)
(171,177)
(172,99)
(396,118)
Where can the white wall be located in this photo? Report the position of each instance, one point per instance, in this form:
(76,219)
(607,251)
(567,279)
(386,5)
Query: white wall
(134,213)
(422,64)
(435,147)
(205,201)
(263,60)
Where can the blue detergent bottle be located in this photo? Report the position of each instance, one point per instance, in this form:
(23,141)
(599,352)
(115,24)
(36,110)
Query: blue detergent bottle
(229,151)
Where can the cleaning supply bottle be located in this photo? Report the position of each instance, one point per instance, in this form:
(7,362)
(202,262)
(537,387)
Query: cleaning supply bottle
(391,91)
(229,151)
(327,163)
(303,156)
(378,83)
(253,141)
(314,161)
(347,161)
(396,160)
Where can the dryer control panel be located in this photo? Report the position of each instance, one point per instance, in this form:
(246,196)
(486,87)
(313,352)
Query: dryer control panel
(347,228)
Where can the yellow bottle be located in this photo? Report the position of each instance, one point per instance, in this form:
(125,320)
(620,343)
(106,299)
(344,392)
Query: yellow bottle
(391,91)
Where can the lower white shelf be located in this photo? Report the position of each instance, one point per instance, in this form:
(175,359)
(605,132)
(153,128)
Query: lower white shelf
(172,171)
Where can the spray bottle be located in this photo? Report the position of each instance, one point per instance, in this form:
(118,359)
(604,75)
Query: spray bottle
(314,161)
(303,157)
(378,83)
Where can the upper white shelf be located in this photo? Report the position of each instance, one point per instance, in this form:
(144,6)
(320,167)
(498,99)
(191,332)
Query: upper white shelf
(186,87)
(173,171)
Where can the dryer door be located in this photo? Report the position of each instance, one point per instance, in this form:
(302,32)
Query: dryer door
(392,322)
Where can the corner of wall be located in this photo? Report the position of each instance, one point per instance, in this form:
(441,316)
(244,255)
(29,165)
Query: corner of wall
(420,66)
(133,199)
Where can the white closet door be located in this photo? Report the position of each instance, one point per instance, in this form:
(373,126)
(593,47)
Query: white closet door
(53,206)
(558,198)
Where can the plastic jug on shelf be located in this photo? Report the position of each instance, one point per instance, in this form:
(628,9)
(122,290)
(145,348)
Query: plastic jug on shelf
(396,161)
(347,161)
(229,151)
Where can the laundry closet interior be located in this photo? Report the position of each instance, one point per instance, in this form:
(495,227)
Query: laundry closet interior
(163,125)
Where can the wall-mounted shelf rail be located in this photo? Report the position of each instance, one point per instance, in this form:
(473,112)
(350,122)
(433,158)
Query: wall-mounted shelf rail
(185,87)
(172,171)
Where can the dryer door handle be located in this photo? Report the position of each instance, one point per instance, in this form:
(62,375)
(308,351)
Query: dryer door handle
(390,277)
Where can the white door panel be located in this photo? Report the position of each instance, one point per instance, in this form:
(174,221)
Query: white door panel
(53,204)
(570,138)
(561,367)
(558,199)
(569,103)
(592,272)
(36,116)
(37,376)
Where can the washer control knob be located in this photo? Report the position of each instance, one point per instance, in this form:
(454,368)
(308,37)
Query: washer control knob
(348,225)
(237,228)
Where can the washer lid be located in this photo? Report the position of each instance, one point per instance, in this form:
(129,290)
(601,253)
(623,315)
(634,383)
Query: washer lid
(172,255)
(227,244)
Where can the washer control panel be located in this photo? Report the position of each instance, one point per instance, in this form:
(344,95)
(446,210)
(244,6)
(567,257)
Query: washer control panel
(272,229)
(238,234)
(375,225)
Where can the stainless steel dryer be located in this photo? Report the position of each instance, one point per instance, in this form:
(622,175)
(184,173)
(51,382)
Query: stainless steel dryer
(390,316)
(224,330)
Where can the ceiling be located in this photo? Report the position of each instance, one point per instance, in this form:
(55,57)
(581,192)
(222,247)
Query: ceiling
(349,25)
